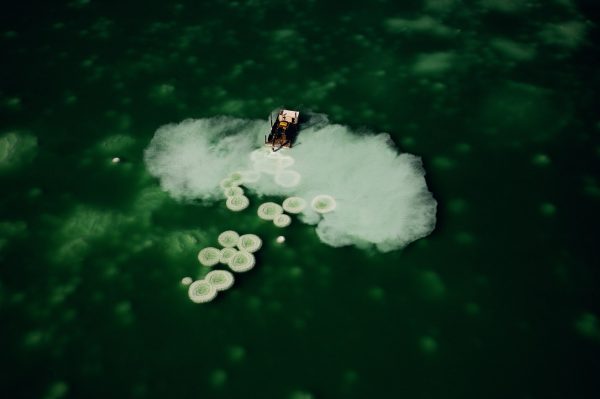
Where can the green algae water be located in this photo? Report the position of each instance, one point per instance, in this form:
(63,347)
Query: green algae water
(497,98)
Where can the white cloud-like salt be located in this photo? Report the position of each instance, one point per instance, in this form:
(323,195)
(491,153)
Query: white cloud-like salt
(381,195)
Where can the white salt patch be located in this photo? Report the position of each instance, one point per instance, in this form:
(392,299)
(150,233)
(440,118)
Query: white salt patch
(381,195)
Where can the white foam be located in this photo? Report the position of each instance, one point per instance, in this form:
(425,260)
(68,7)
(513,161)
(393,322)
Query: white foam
(381,195)
(192,157)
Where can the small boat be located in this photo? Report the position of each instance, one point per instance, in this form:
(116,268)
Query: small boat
(284,130)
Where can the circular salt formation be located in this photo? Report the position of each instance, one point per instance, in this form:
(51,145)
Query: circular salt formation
(242,261)
(280,239)
(209,256)
(201,291)
(227,183)
(220,279)
(258,154)
(237,203)
(270,163)
(269,210)
(116,160)
(294,204)
(228,238)
(236,177)
(287,178)
(233,191)
(323,203)
(249,243)
(227,254)
(285,162)
(282,220)
(186,281)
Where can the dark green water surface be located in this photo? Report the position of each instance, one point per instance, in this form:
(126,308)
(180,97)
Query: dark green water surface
(497,97)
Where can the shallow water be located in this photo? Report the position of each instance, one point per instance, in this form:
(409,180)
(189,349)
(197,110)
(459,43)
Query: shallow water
(497,97)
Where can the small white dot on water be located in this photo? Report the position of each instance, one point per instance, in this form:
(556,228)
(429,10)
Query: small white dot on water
(186,281)
(280,239)
(116,160)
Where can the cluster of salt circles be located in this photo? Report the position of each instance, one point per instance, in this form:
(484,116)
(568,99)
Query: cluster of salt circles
(201,291)
(220,279)
(205,290)
(236,200)
(226,255)
(323,203)
(269,210)
(282,220)
(294,205)
(228,239)
(237,203)
(270,162)
(249,243)
(209,256)
(264,161)
(275,163)
(242,261)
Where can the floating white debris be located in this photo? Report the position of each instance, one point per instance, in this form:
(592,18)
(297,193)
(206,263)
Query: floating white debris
(116,160)
(228,238)
(282,220)
(209,256)
(269,210)
(242,261)
(280,239)
(323,203)
(249,243)
(201,291)
(220,279)
(294,204)
(237,203)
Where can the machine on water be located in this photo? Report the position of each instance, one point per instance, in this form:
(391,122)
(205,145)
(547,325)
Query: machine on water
(284,130)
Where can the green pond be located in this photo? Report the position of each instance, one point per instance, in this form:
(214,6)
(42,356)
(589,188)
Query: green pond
(497,97)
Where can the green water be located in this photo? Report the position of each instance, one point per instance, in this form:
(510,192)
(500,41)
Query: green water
(497,97)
